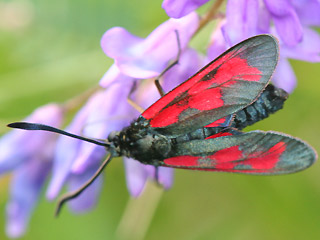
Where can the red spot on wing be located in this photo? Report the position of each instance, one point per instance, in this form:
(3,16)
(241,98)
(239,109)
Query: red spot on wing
(221,134)
(227,155)
(258,161)
(168,116)
(187,161)
(222,122)
(266,160)
(228,159)
(207,100)
(201,92)
(223,156)
(234,69)
(210,99)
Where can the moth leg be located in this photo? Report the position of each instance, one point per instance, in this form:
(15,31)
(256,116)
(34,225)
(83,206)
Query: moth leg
(156,175)
(159,87)
(133,103)
(156,81)
(69,196)
(175,62)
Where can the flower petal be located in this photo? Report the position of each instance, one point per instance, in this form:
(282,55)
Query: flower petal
(136,176)
(165,177)
(278,8)
(286,21)
(284,76)
(16,147)
(308,12)
(115,43)
(89,197)
(65,154)
(67,150)
(218,44)
(180,8)
(289,28)
(25,190)
(189,64)
(145,58)
(242,20)
(110,113)
(113,75)
(264,20)
(88,154)
(307,50)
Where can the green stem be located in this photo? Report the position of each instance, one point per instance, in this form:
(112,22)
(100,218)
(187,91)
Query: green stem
(79,100)
(138,214)
(210,15)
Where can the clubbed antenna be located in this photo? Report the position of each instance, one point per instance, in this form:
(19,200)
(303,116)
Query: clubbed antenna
(42,127)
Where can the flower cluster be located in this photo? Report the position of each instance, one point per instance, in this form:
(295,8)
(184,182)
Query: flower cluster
(32,156)
(29,155)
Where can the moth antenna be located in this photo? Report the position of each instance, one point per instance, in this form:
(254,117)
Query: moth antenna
(42,127)
(71,195)
(175,62)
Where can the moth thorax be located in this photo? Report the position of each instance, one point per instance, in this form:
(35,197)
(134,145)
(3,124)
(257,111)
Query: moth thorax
(151,147)
(162,145)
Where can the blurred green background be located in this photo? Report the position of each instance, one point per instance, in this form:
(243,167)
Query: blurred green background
(50,51)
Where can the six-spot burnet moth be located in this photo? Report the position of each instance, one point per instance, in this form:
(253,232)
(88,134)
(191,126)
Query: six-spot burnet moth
(197,125)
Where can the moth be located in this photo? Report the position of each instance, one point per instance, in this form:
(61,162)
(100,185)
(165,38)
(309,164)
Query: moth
(197,125)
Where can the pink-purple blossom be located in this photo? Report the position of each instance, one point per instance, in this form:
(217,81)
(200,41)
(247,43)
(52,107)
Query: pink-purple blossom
(180,8)
(286,20)
(96,119)
(145,58)
(289,20)
(29,156)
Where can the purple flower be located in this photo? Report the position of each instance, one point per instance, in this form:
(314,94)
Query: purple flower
(113,74)
(87,199)
(66,151)
(285,20)
(218,43)
(242,17)
(189,64)
(29,155)
(16,147)
(246,18)
(145,58)
(308,11)
(137,175)
(75,161)
(25,189)
(180,8)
